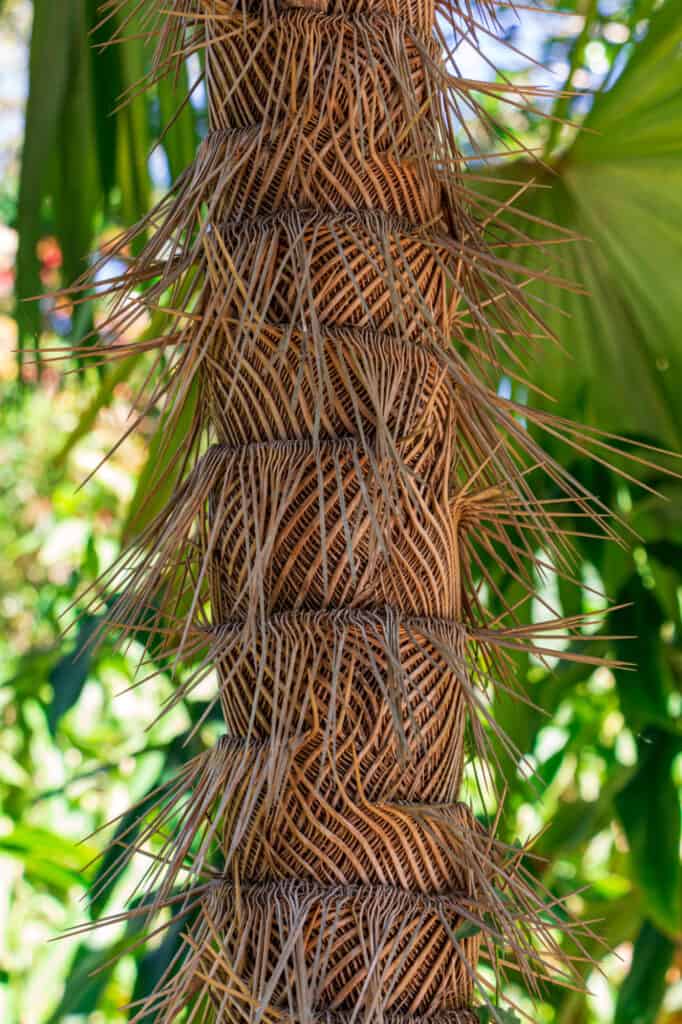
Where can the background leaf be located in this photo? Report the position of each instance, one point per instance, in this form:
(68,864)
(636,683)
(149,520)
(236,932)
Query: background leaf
(642,991)
(619,186)
(70,673)
(51,65)
(649,807)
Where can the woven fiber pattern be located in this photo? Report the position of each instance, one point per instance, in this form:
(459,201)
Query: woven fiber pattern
(348,481)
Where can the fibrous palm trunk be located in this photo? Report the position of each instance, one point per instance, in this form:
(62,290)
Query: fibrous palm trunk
(326,553)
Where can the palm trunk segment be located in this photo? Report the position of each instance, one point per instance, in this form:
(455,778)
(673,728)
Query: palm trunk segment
(325,553)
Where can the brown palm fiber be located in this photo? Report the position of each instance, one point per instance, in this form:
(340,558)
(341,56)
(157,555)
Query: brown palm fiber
(350,487)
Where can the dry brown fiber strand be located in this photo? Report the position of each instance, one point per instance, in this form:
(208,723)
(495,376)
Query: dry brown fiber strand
(349,480)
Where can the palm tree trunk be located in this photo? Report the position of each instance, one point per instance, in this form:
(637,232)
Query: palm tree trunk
(352,482)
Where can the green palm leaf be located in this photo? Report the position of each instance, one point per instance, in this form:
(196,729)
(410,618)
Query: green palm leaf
(619,186)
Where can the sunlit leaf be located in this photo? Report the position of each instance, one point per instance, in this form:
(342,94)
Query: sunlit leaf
(47,858)
(620,187)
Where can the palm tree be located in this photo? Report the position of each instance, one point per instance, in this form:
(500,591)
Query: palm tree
(351,487)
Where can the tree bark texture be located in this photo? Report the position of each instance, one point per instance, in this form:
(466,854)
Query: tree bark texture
(350,487)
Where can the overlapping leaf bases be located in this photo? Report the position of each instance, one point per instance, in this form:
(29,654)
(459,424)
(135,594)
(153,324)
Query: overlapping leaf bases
(350,482)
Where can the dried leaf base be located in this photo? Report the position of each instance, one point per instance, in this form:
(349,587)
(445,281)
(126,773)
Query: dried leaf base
(349,480)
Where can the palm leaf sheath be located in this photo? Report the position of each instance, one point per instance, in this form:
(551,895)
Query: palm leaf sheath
(352,486)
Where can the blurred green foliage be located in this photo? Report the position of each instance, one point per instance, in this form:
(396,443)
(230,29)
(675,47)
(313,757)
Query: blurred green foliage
(80,743)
